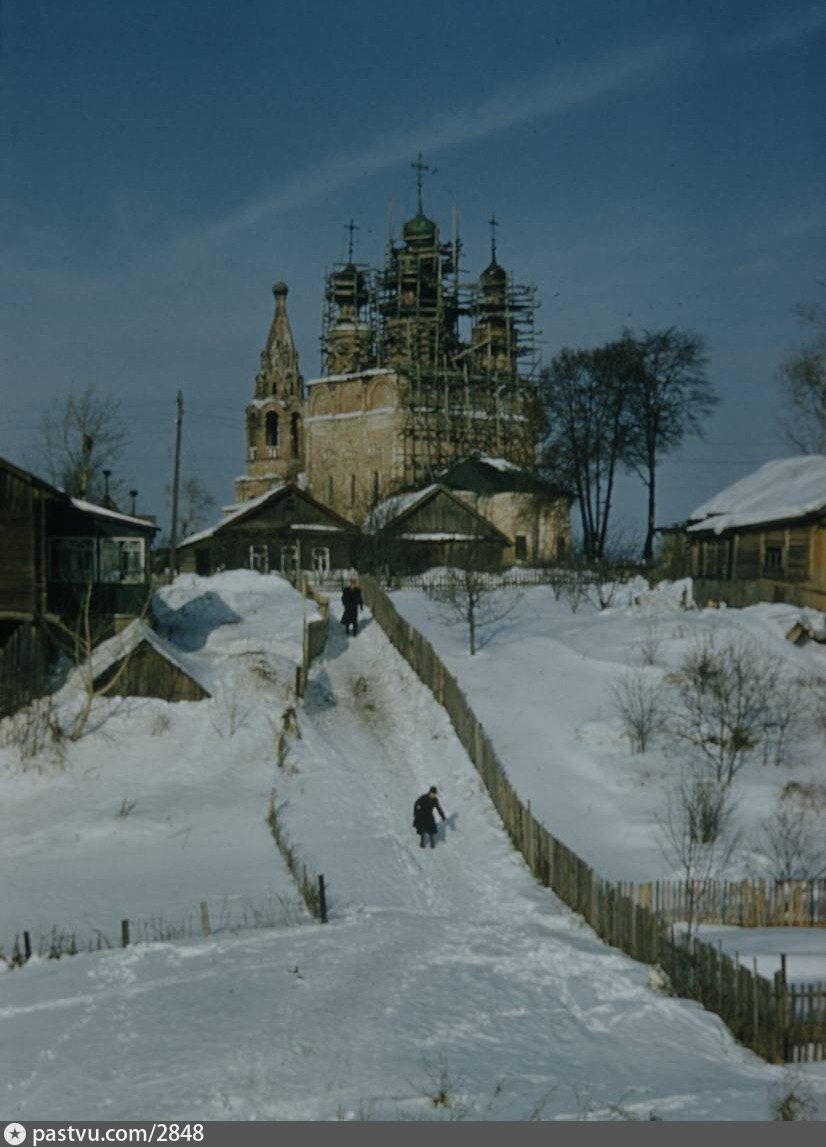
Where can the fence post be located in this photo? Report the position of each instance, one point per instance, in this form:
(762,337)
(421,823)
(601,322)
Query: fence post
(124,933)
(322,900)
(27,946)
(205,928)
(784,1009)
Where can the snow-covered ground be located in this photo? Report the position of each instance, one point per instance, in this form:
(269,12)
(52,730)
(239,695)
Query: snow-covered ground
(446,971)
(542,685)
(159,807)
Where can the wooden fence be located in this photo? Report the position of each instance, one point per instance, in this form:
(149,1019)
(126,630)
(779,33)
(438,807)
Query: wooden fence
(745,903)
(315,632)
(24,668)
(779,1022)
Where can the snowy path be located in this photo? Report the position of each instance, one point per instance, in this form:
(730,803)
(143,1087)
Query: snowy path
(447,967)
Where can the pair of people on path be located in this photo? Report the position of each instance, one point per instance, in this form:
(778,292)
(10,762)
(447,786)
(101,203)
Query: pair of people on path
(352,601)
(424,815)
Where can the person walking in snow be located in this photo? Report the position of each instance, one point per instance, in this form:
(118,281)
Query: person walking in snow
(352,601)
(424,815)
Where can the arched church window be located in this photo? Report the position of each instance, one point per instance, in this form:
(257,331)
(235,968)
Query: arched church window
(271,428)
(295,427)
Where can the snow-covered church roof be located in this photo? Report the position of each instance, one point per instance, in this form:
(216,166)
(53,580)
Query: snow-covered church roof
(781,490)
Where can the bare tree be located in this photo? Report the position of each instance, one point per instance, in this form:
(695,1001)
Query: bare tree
(669,397)
(471,596)
(194,504)
(697,835)
(639,702)
(585,394)
(793,844)
(81,436)
(802,376)
(735,703)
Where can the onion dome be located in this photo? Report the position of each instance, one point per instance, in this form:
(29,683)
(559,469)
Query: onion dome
(420,230)
(494,275)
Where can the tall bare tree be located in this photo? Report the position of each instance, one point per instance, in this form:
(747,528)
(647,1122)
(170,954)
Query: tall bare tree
(195,503)
(802,376)
(670,396)
(82,435)
(586,398)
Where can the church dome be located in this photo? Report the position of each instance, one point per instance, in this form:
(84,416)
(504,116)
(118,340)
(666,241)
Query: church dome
(494,275)
(419,229)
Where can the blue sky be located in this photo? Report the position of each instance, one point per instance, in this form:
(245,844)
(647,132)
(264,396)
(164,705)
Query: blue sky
(164,162)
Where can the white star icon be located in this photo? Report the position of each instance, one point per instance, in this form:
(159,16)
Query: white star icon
(14,1133)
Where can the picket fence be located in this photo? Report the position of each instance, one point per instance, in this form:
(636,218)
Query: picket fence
(780,1022)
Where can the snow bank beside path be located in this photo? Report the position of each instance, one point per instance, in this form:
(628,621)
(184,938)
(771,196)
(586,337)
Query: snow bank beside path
(160,806)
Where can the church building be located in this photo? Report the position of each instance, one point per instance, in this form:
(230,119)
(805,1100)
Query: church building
(420,369)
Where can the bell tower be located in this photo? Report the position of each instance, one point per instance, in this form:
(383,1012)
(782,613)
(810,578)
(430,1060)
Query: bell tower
(274,418)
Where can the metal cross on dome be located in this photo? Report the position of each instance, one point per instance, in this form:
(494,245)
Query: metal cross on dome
(420,168)
(352,228)
(494,223)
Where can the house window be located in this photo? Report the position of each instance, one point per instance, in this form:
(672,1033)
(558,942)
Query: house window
(271,428)
(352,489)
(121,560)
(521,550)
(259,559)
(773,560)
(72,559)
(375,487)
(321,560)
(295,427)
(289,560)
(561,553)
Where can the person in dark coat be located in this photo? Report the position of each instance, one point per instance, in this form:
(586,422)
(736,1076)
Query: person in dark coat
(352,601)
(424,815)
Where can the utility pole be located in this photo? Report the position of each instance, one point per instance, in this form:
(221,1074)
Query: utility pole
(173,533)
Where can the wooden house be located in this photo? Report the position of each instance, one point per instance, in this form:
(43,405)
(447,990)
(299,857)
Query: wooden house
(58,556)
(99,552)
(24,501)
(284,530)
(764,537)
(139,663)
(534,514)
(57,549)
(431,527)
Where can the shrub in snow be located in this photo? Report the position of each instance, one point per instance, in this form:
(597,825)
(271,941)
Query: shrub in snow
(650,642)
(791,1100)
(792,844)
(735,705)
(697,835)
(36,733)
(639,702)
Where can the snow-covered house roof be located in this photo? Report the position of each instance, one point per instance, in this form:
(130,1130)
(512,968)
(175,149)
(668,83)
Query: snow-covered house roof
(236,513)
(401,507)
(484,474)
(782,490)
(392,508)
(112,515)
(107,658)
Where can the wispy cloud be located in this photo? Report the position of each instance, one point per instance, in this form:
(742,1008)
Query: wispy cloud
(543,98)
(783,31)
